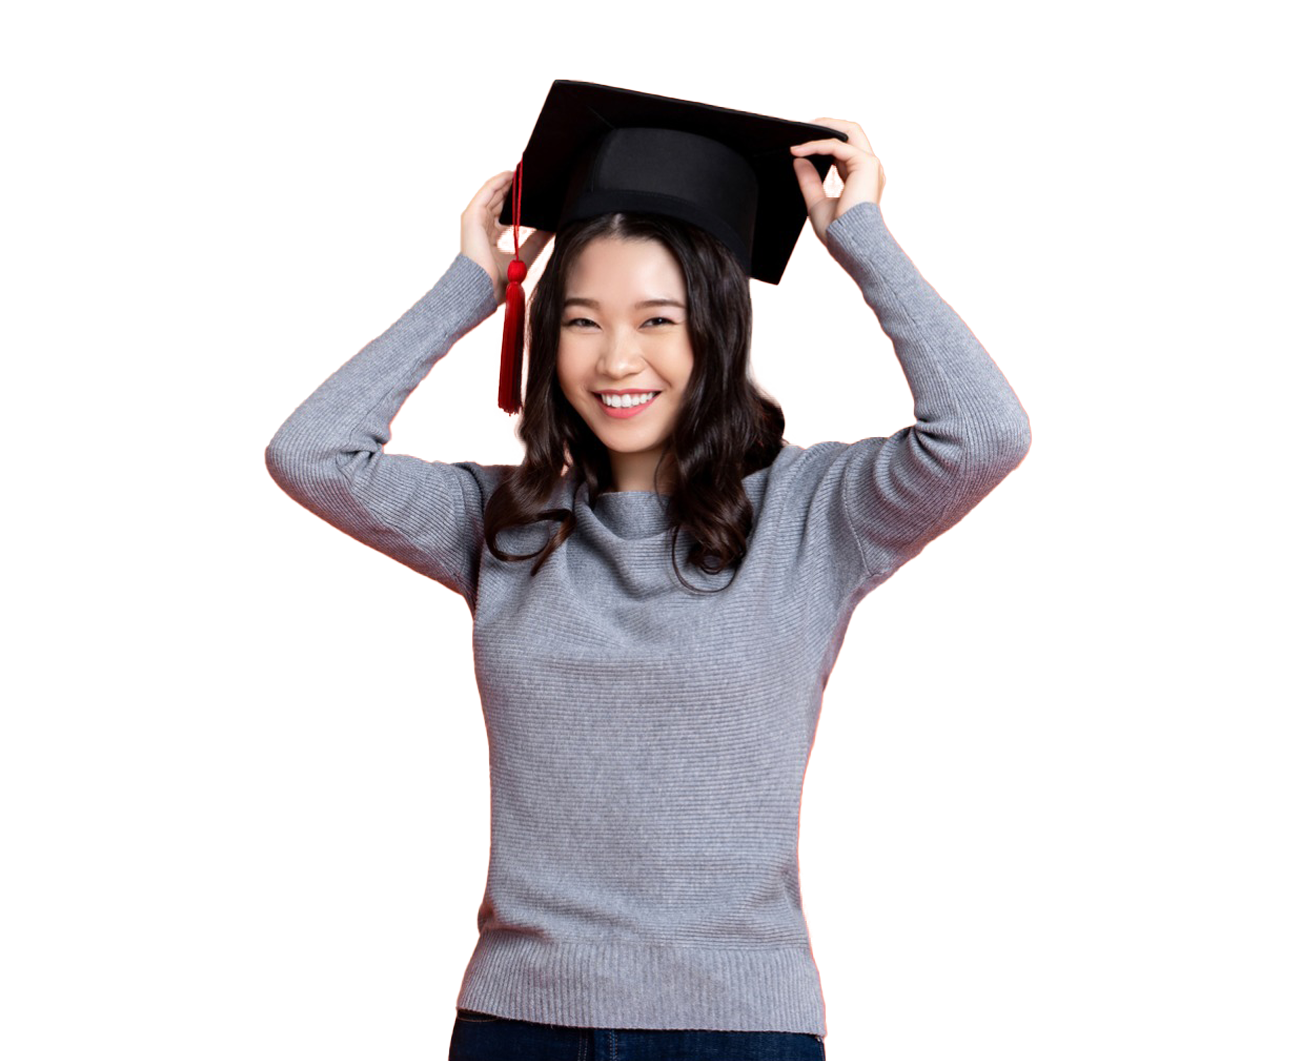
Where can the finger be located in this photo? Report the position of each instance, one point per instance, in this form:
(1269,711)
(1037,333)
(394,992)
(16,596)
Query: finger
(845,156)
(533,245)
(494,188)
(814,191)
(495,183)
(856,133)
(836,148)
(501,187)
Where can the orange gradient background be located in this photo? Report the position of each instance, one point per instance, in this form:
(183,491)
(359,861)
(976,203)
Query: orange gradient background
(1052,808)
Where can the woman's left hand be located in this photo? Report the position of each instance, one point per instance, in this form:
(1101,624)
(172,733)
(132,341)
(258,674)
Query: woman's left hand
(857,165)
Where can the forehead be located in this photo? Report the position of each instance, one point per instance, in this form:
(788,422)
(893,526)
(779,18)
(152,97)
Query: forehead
(625,265)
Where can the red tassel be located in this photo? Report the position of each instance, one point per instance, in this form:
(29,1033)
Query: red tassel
(512,342)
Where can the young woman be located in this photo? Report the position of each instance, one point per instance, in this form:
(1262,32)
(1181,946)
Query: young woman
(659,592)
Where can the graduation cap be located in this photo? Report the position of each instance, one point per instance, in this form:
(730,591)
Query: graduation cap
(597,149)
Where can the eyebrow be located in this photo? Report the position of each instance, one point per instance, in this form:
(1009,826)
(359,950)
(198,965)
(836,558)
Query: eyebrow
(645,302)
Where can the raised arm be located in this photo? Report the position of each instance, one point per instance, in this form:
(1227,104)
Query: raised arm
(898,493)
(329,454)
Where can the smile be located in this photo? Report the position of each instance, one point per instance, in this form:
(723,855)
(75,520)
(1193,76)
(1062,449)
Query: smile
(624,412)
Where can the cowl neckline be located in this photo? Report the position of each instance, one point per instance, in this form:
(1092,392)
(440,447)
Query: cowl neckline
(630,514)
(638,514)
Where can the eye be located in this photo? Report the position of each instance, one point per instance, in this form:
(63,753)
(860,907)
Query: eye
(666,320)
(577,321)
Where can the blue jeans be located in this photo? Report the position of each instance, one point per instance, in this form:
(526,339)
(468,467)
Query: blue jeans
(484,1037)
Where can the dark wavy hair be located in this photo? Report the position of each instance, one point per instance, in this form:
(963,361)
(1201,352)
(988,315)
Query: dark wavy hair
(726,426)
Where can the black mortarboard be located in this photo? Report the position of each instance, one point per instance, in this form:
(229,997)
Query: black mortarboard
(596,149)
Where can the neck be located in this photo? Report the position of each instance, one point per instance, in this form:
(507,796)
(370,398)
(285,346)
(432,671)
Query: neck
(636,471)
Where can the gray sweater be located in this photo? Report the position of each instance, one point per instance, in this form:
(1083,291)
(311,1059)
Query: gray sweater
(646,743)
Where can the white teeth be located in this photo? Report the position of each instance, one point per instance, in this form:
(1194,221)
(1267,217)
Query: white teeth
(624,401)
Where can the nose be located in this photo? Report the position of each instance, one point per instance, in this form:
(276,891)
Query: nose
(621,355)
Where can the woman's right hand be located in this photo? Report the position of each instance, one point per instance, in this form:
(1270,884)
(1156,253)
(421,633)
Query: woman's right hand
(480,232)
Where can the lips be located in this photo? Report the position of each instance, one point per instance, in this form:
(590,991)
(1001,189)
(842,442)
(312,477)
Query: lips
(638,393)
(619,413)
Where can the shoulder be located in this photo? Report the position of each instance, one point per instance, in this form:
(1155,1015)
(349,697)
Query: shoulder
(480,481)
(489,475)
(801,467)
(803,529)
(807,480)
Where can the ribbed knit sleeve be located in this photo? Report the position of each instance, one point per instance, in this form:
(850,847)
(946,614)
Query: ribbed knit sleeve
(886,498)
(329,454)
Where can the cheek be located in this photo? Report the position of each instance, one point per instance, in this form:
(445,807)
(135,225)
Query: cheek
(569,373)
(686,364)
(565,368)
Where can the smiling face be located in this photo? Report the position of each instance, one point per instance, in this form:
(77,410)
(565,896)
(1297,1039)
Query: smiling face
(624,331)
